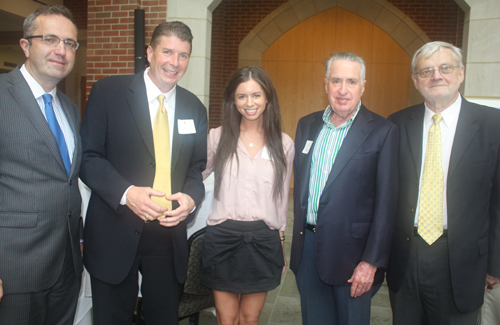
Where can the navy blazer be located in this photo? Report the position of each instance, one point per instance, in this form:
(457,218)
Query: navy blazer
(118,152)
(358,205)
(473,198)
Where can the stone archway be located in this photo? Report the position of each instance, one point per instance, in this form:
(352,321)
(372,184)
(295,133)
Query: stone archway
(380,12)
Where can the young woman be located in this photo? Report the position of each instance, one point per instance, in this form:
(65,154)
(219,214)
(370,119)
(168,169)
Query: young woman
(252,160)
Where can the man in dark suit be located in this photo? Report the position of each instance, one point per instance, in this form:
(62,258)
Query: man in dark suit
(345,190)
(447,236)
(130,226)
(40,152)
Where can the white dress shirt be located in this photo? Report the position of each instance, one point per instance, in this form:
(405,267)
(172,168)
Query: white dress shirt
(152,92)
(38,92)
(448,128)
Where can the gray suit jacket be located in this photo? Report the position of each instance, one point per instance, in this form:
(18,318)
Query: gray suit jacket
(39,203)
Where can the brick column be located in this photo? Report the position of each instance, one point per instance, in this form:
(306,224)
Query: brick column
(110,35)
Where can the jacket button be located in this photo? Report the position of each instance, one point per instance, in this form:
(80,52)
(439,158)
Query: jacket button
(69,214)
(301,233)
(152,165)
(70,182)
(137,232)
(407,239)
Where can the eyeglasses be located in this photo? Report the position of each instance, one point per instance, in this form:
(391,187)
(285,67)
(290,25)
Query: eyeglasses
(443,70)
(53,40)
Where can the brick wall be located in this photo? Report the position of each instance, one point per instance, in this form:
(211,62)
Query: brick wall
(79,10)
(110,35)
(232,20)
(441,20)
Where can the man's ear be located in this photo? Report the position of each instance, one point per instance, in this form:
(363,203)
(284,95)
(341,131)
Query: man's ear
(25,45)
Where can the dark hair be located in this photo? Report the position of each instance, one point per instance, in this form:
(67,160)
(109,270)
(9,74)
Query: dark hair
(231,119)
(172,28)
(29,25)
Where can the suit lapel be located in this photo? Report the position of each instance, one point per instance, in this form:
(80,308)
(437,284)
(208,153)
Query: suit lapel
(21,91)
(357,134)
(73,123)
(181,112)
(311,133)
(466,129)
(138,104)
(414,132)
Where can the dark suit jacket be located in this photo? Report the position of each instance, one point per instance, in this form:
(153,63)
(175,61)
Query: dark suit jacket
(39,203)
(358,204)
(118,152)
(473,196)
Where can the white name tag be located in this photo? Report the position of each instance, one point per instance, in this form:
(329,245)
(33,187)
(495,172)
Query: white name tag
(307,147)
(186,127)
(265,154)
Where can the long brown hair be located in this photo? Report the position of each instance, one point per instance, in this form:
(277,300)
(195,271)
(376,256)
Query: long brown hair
(271,124)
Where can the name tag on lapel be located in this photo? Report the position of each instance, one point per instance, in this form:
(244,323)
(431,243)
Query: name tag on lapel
(265,154)
(307,147)
(186,127)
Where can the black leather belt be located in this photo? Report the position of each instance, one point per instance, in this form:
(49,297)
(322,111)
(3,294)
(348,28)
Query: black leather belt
(311,227)
(415,232)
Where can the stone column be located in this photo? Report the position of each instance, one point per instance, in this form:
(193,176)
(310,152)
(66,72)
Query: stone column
(482,50)
(197,14)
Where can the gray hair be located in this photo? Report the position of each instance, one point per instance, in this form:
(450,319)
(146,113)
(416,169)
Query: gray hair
(346,56)
(172,28)
(430,48)
(29,25)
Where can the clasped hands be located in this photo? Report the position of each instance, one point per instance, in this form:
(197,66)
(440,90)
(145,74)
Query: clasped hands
(139,201)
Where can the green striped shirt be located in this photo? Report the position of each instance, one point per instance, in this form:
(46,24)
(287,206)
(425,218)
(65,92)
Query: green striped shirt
(327,146)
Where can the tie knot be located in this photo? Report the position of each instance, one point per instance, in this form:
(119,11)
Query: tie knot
(47,98)
(437,118)
(161,98)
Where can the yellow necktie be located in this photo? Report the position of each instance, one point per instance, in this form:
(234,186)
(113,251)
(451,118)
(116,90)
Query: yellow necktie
(430,210)
(161,139)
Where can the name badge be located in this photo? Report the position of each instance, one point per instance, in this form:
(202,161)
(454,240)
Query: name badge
(186,127)
(307,147)
(265,154)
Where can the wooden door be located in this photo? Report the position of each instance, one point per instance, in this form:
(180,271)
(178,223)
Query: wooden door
(295,63)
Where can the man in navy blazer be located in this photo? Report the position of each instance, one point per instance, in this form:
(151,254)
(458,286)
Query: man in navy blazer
(443,282)
(345,191)
(40,153)
(122,233)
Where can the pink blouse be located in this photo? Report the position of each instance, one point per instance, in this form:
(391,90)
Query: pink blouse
(246,190)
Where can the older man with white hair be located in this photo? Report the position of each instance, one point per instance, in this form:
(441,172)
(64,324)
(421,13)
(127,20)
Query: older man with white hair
(447,238)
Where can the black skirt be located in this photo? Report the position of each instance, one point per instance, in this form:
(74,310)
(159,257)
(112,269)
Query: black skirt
(242,257)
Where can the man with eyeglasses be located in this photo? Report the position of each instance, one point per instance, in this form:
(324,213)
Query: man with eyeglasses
(447,239)
(40,153)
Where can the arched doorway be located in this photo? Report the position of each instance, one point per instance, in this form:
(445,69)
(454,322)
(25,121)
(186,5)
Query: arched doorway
(295,62)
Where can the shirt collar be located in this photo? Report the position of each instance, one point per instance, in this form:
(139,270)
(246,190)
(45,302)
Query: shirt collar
(153,91)
(35,87)
(450,115)
(328,114)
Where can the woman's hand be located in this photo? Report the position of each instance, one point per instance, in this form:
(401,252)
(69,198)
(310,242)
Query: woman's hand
(282,235)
